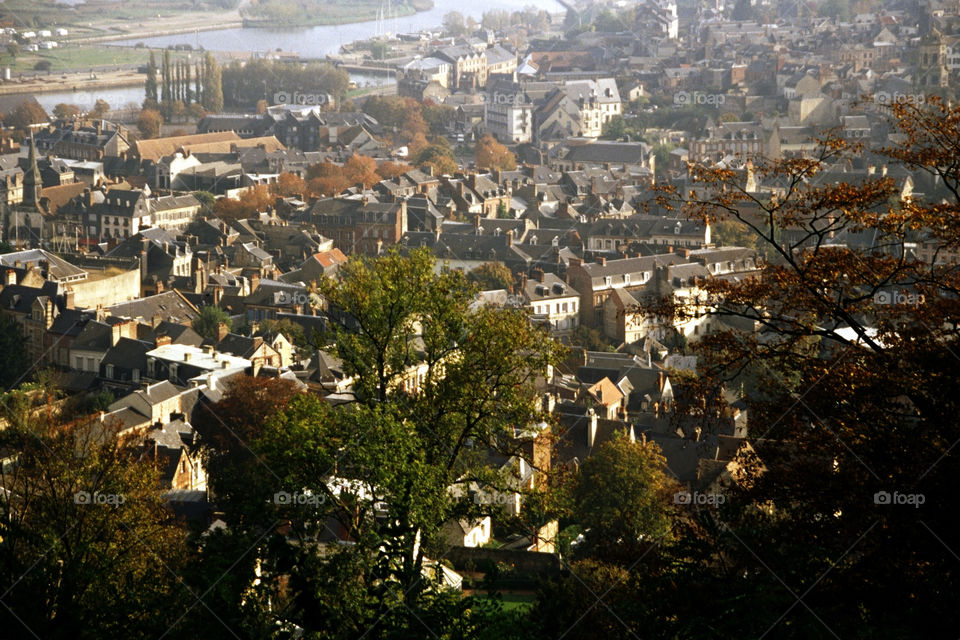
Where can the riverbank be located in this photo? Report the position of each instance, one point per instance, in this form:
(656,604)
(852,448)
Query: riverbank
(154,32)
(73,82)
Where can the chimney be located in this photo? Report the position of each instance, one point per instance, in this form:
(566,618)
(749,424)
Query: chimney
(510,237)
(9,277)
(222,331)
(162,340)
(186,356)
(686,253)
(602,262)
(592,429)
(114,334)
(670,249)
(254,282)
(539,275)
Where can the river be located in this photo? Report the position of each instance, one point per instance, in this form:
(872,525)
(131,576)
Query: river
(317,42)
(311,42)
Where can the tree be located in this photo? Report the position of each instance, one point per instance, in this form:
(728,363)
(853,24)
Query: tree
(149,122)
(492,275)
(623,499)
(437,158)
(380,468)
(290,184)
(454,24)
(853,362)
(207,201)
(614,129)
(207,324)
(250,203)
(43,65)
(326,179)
(213,85)
(27,113)
(13,49)
(88,542)
(361,170)
(490,154)
(166,86)
(64,111)
(196,111)
(14,365)
(151,82)
(389,170)
(100,108)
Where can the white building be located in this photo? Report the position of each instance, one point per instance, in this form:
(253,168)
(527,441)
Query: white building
(553,300)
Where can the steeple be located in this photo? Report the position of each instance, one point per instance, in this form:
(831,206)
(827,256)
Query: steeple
(32,183)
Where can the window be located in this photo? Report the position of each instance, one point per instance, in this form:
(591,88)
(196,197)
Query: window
(109,371)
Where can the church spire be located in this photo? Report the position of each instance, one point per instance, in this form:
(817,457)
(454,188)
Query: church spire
(32,183)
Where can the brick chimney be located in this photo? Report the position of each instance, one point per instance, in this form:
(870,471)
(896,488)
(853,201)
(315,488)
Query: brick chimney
(222,331)
(602,262)
(539,274)
(162,340)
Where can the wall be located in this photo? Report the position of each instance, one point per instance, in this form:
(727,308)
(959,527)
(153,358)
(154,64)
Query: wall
(106,291)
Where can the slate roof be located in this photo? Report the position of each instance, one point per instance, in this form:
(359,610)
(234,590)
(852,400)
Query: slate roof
(169,305)
(59,269)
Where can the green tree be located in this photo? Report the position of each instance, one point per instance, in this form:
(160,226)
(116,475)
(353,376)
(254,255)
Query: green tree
(87,542)
(151,82)
(14,365)
(624,498)
(213,85)
(166,87)
(381,468)
(207,323)
(492,275)
(454,24)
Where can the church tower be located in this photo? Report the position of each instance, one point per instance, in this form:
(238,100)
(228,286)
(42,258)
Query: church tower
(32,182)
